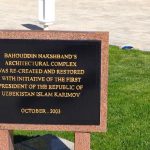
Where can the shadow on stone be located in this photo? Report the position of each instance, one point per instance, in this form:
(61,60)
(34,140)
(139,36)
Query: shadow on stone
(32,27)
(21,138)
(46,142)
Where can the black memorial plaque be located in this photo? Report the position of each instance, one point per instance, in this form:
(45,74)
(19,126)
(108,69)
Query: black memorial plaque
(50,81)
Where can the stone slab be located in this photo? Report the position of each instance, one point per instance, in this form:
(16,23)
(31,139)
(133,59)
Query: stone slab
(46,142)
(82,141)
(63,35)
(6,140)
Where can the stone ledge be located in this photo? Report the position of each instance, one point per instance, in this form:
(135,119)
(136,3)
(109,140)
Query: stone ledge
(46,142)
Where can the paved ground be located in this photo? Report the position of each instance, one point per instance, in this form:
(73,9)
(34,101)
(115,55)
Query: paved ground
(128,21)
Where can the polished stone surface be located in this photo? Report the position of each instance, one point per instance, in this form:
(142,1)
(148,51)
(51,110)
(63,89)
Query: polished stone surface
(46,142)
